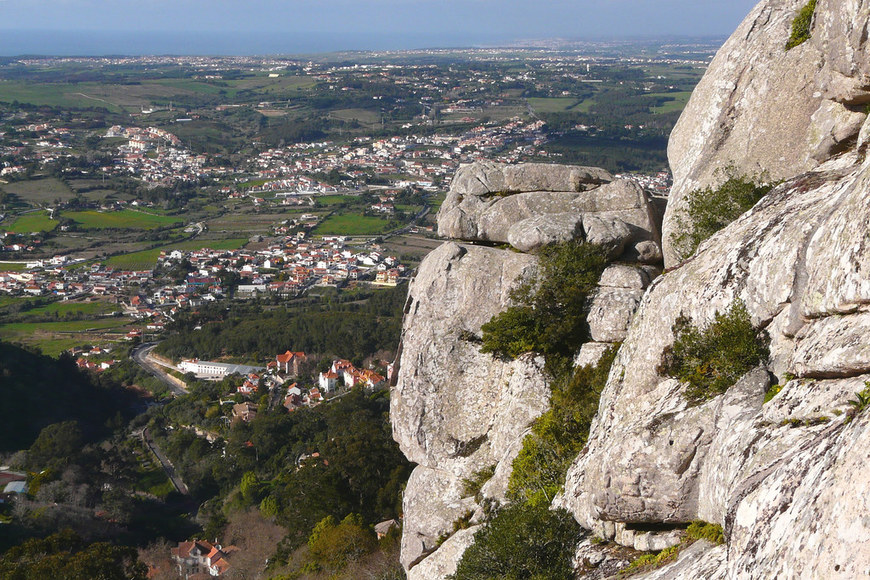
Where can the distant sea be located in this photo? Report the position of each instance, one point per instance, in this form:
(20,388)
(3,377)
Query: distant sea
(102,43)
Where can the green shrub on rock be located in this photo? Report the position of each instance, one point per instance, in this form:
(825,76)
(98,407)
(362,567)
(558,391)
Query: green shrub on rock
(550,315)
(522,542)
(800,26)
(558,436)
(710,210)
(711,359)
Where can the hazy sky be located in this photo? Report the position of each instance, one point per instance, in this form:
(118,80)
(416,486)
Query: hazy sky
(349,24)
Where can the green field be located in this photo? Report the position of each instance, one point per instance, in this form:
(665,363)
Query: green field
(55,337)
(328,200)
(12,266)
(124,219)
(678,103)
(40,191)
(147,259)
(78,308)
(551,105)
(31,222)
(353,225)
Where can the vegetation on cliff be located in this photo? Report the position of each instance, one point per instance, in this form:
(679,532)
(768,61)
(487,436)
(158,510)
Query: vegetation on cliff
(711,358)
(550,315)
(800,26)
(559,434)
(711,209)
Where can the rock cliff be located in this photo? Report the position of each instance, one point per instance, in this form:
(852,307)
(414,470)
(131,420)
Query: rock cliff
(781,470)
(455,410)
(770,112)
(781,476)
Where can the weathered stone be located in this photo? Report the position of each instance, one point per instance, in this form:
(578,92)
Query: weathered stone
(651,459)
(646,252)
(590,353)
(611,311)
(767,112)
(611,234)
(443,562)
(428,514)
(487,177)
(474,211)
(455,410)
(700,560)
(624,276)
(529,234)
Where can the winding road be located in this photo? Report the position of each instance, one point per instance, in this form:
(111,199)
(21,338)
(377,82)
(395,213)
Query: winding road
(141,356)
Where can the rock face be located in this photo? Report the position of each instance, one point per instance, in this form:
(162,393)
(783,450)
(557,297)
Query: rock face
(455,410)
(768,112)
(533,204)
(767,472)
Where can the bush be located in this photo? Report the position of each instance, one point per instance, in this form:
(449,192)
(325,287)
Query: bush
(711,359)
(550,317)
(709,210)
(701,530)
(471,486)
(522,542)
(800,26)
(558,435)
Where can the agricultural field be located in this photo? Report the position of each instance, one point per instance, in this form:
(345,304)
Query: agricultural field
(328,200)
(124,219)
(31,222)
(677,102)
(248,224)
(552,105)
(55,337)
(146,259)
(79,309)
(39,192)
(354,225)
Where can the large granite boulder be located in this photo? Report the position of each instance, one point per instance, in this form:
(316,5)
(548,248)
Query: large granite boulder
(454,409)
(491,202)
(768,112)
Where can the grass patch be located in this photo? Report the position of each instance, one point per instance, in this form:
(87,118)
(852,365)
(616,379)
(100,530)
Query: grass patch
(712,358)
(124,219)
(328,200)
(32,222)
(61,309)
(551,104)
(41,190)
(800,26)
(12,267)
(147,259)
(701,530)
(710,210)
(649,562)
(670,102)
(55,337)
(354,225)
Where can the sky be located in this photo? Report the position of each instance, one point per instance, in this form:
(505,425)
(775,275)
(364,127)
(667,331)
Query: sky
(298,26)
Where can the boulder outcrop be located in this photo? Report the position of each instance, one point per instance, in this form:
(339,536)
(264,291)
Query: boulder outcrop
(456,411)
(531,205)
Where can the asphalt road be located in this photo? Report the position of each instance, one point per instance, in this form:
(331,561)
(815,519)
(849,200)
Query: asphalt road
(140,356)
(164,461)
